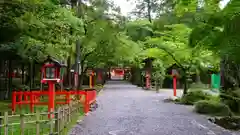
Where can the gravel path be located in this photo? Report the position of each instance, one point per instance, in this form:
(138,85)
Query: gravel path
(125,109)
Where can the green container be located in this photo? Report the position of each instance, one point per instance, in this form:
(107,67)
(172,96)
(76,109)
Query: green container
(215,81)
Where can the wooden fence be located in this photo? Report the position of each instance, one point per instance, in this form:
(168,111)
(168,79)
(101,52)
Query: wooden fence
(38,123)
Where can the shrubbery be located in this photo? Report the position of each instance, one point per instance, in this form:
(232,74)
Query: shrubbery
(212,107)
(193,96)
(232,100)
(199,86)
(206,103)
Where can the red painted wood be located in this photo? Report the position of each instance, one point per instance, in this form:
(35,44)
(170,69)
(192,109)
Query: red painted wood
(33,98)
(174,86)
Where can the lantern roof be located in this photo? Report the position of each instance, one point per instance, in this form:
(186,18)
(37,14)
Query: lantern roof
(56,62)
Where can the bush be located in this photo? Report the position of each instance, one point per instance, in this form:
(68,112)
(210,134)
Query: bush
(231,98)
(199,86)
(193,96)
(212,108)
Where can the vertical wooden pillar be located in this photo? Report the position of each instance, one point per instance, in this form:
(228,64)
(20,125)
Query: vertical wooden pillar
(86,103)
(75,80)
(99,76)
(91,79)
(210,82)
(148,80)
(174,86)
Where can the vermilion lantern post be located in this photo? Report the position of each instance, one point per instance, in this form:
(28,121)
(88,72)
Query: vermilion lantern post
(51,75)
(148,79)
(174,75)
(91,74)
(91,79)
(99,75)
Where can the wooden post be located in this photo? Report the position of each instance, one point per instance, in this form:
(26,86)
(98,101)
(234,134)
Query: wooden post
(75,80)
(5,122)
(68,98)
(61,121)
(37,122)
(22,126)
(14,100)
(51,122)
(65,120)
(57,123)
(86,103)
(69,113)
(20,99)
(31,102)
(91,80)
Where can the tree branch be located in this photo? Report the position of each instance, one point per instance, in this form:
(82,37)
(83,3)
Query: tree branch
(173,57)
(86,55)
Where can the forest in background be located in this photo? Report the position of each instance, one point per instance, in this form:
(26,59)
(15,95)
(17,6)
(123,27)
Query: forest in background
(197,36)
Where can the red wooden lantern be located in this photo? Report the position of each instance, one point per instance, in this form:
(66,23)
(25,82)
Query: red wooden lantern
(51,70)
(51,75)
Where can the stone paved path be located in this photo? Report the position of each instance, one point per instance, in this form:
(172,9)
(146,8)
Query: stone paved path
(125,109)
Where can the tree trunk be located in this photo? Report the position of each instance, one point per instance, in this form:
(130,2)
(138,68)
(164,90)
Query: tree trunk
(157,85)
(81,80)
(81,75)
(22,75)
(69,78)
(30,74)
(185,89)
(161,83)
(198,78)
(222,73)
(9,88)
(149,11)
(33,73)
